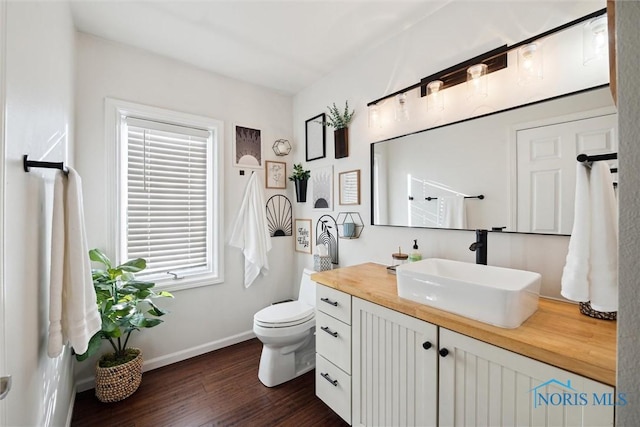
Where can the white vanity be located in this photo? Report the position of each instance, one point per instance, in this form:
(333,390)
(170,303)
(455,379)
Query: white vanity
(385,360)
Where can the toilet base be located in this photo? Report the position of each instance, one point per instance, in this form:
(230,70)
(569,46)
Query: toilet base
(281,364)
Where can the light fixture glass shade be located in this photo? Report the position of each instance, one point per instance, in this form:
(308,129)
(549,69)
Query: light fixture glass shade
(595,38)
(375,121)
(529,63)
(477,81)
(402,111)
(435,98)
(281,147)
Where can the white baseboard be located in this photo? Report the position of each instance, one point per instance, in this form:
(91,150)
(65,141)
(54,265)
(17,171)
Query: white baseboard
(71,404)
(158,362)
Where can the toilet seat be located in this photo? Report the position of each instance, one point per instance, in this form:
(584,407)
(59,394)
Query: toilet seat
(284,315)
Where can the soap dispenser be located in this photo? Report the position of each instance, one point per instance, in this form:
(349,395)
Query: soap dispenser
(415,255)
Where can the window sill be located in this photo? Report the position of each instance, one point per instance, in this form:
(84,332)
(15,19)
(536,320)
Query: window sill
(188,282)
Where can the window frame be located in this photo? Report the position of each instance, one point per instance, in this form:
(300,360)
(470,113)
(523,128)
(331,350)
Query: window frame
(115,113)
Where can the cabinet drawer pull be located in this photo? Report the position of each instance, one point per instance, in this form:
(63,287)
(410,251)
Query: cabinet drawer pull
(426,345)
(328,378)
(329,331)
(328,301)
(443,352)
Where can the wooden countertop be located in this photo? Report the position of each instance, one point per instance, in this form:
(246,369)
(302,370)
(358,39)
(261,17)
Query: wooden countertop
(557,334)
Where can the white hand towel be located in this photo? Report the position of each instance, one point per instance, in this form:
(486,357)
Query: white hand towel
(575,275)
(452,212)
(603,276)
(251,233)
(73,313)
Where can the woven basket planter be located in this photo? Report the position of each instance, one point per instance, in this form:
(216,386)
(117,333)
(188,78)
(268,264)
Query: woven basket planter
(118,382)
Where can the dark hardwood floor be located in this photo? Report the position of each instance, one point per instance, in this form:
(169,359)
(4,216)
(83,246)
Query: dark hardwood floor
(220,388)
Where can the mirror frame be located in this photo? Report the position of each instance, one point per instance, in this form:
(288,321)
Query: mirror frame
(372,146)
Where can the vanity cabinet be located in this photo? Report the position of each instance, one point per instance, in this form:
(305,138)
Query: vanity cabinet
(333,350)
(481,384)
(400,370)
(395,368)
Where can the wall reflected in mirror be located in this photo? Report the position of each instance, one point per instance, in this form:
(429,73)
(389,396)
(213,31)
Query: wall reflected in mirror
(522,161)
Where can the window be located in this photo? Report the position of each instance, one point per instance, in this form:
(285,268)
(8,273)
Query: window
(168,185)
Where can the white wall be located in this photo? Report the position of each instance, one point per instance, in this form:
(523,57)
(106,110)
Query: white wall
(201,319)
(628,52)
(455,33)
(39,122)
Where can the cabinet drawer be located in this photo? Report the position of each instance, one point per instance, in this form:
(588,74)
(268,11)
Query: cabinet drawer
(333,341)
(333,387)
(333,302)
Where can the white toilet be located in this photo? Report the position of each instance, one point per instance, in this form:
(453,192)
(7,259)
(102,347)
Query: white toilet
(287,331)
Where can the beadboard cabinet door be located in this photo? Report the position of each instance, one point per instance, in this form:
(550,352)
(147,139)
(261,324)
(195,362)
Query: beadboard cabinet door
(483,385)
(394,368)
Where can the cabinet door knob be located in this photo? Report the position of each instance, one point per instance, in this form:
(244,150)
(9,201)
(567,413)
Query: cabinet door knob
(443,352)
(329,331)
(328,301)
(426,345)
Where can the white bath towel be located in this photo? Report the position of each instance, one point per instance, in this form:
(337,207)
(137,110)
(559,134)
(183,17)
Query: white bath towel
(575,275)
(452,212)
(591,269)
(603,275)
(250,231)
(73,313)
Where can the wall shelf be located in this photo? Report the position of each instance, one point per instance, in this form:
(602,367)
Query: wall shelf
(354,218)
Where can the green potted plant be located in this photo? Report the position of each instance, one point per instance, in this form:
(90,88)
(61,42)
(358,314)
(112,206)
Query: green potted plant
(340,120)
(121,300)
(300,177)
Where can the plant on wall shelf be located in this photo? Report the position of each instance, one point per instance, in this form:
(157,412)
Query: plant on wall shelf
(339,119)
(300,177)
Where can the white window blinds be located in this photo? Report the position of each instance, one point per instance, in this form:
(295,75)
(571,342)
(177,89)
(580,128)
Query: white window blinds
(167,208)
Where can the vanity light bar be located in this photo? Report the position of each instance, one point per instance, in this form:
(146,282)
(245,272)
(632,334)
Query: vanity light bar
(457,73)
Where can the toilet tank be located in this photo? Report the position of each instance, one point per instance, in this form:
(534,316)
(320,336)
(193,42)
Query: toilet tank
(307,288)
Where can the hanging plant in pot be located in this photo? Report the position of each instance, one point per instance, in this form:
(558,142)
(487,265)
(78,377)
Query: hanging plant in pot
(121,299)
(300,177)
(340,120)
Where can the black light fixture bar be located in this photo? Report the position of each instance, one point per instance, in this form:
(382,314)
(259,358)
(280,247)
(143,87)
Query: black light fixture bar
(457,73)
(495,60)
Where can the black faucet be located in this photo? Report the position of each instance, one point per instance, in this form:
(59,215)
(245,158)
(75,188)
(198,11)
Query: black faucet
(480,247)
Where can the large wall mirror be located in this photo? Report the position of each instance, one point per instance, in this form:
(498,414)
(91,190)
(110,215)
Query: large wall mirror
(521,161)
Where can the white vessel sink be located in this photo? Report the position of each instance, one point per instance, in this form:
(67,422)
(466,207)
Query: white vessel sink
(499,296)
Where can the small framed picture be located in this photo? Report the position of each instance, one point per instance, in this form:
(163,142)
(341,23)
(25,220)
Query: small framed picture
(303,236)
(349,187)
(247,147)
(315,137)
(275,174)
(322,188)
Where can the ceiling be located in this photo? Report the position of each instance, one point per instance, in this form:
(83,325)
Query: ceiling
(283,45)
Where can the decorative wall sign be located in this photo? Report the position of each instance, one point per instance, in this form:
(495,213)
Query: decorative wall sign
(279,216)
(275,174)
(349,187)
(316,135)
(322,188)
(303,236)
(247,147)
(327,234)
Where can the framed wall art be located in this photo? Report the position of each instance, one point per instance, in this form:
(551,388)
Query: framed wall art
(303,236)
(349,187)
(315,137)
(322,188)
(275,174)
(247,147)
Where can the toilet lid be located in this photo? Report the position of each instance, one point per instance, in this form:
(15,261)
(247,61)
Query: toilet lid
(285,314)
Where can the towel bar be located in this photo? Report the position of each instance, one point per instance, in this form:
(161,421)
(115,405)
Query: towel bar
(28,164)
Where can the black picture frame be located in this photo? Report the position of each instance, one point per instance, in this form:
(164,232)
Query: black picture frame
(315,138)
